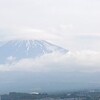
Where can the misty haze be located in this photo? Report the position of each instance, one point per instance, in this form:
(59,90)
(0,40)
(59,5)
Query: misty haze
(50,46)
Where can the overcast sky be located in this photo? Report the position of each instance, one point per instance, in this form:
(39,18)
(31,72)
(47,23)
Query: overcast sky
(73,24)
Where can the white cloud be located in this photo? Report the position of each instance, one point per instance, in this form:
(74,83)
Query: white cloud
(29,33)
(84,61)
(52,20)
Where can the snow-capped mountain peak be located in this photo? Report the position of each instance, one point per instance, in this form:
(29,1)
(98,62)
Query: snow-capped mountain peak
(27,49)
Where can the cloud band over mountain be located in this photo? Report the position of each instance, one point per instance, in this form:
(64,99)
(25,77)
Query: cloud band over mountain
(84,61)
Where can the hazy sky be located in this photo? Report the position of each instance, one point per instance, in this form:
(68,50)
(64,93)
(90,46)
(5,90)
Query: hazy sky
(73,24)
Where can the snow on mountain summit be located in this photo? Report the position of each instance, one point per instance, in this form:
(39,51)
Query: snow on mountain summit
(27,49)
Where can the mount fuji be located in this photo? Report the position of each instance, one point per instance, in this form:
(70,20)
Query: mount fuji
(15,75)
(18,49)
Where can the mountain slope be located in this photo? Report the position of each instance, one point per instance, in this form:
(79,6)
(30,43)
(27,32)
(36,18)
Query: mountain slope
(18,49)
